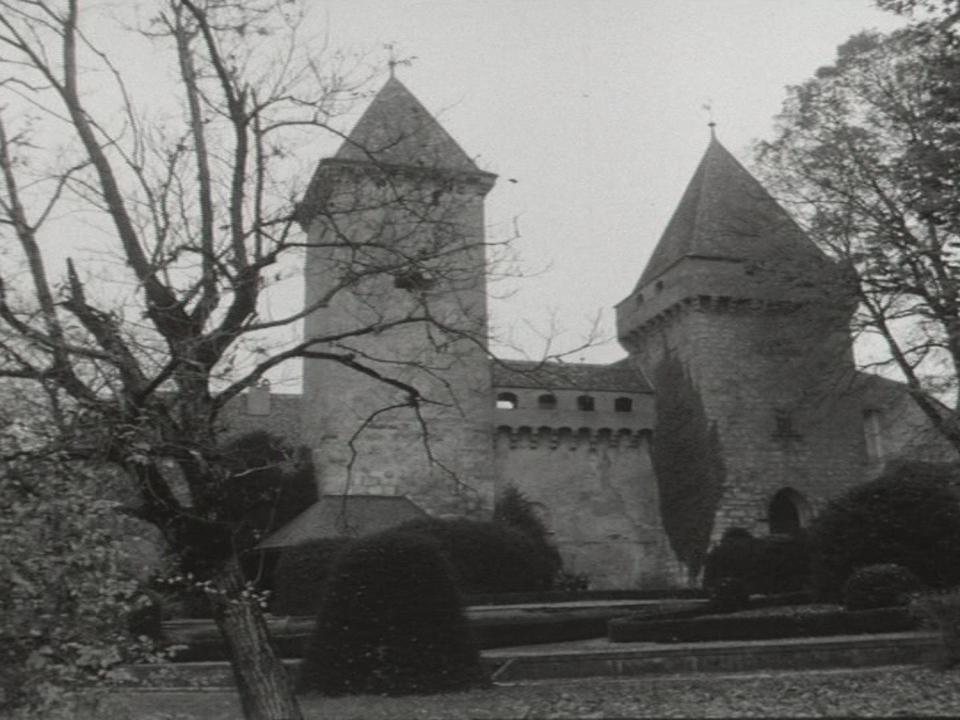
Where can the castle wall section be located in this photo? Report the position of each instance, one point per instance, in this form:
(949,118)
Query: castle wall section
(589,473)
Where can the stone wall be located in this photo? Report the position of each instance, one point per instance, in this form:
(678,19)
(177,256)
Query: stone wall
(598,495)
(400,275)
(777,385)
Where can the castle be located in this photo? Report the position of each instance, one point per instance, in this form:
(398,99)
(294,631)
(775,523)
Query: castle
(738,403)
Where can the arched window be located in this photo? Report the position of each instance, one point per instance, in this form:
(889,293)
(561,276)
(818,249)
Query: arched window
(623,404)
(788,512)
(507,401)
(585,402)
(547,402)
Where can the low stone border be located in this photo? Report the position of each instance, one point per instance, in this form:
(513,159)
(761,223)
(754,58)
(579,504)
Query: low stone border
(598,658)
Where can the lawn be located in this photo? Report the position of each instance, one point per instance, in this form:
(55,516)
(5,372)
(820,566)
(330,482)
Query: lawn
(910,691)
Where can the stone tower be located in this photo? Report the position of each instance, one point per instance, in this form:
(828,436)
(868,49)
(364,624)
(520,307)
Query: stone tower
(396,287)
(757,317)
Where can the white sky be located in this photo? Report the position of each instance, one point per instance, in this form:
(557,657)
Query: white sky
(595,107)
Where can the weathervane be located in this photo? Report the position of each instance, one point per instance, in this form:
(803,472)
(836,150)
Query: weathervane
(711,123)
(392,62)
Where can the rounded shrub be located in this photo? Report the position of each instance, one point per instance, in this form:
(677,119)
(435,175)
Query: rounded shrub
(391,622)
(877,586)
(908,516)
(729,594)
(300,574)
(487,557)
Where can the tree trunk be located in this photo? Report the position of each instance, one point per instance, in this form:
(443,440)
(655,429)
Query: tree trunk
(266,691)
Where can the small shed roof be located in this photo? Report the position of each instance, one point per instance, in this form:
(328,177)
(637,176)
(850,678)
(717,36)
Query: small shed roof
(344,515)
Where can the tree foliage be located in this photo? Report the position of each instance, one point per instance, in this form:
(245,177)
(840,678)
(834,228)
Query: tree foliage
(866,153)
(66,582)
(688,462)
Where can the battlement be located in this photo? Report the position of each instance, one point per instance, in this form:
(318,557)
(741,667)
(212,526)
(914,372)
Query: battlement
(552,438)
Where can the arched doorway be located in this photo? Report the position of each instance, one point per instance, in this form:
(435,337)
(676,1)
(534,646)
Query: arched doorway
(788,512)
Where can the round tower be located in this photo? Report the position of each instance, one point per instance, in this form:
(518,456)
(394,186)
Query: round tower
(398,399)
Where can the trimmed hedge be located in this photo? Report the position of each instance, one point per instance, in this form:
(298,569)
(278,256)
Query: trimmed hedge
(390,622)
(300,574)
(876,586)
(487,557)
(747,626)
(908,516)
(766,565)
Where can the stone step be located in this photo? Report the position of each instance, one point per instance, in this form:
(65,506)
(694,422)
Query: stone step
(601,658)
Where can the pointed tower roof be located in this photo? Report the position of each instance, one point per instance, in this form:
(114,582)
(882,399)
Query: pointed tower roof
(726,214)
(397,130)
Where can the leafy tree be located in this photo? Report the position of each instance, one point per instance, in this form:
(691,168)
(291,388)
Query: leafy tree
(66,586)
(141,339)
(866,153)
(688,463)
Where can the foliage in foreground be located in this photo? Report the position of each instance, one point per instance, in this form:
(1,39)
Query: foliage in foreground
(908,516)
(300,575)
(391,622)
(66,584)
(767,565)
(942,611)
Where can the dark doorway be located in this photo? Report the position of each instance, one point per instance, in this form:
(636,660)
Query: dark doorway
(787,512)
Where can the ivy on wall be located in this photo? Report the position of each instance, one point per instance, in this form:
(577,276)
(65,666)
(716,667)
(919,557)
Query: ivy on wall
(688,462)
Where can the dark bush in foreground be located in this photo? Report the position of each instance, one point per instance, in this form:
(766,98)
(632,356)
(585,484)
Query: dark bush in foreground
(391,622)
(767,565)
(908,516)
(487,557)
(876,586)
(729,594)
(300,574)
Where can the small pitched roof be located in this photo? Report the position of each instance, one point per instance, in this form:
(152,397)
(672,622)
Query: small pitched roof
(617,377)
(725,213)
(344,515)
(396,129)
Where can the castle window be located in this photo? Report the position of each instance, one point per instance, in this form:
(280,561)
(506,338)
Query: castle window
(639,299)
(873,434)
(659,286)
(585,402)
(547,402)
(507,401)
(623,404)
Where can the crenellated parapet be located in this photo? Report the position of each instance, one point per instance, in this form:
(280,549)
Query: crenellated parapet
(589,438)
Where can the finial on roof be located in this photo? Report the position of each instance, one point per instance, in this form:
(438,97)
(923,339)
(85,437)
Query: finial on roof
(711,123)
(392,62)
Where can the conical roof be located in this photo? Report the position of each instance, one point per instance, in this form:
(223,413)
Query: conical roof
(397,130)
(726,214)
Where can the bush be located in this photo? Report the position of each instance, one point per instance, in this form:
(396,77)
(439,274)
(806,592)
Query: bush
(513,509)
(768,565)
(487,557)
(908,516)
(300,574)
(942,611)
(391,622)
(729,594)
(876,586)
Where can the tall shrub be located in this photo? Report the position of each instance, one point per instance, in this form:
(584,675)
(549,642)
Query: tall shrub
(391,622)
(301,573)
(688,462)
(514,509)
(908,516)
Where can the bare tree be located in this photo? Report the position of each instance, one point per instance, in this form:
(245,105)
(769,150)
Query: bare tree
(142,341)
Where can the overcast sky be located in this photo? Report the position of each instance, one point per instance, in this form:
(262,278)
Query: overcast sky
(595,108)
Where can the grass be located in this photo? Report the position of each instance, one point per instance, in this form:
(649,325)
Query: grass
(906,690)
